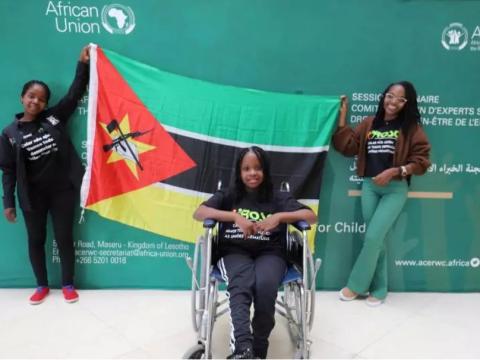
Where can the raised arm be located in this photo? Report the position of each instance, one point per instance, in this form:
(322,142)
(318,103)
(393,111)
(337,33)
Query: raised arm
(345,139)
(66,106)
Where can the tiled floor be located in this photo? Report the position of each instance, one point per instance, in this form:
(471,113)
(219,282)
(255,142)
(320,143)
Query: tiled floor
(157,324)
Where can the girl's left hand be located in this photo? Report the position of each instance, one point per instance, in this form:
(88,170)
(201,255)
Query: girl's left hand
(85,54)
(268,224)
(343,111)
(385,176)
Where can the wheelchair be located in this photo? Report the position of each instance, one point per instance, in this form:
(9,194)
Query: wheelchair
(296,300)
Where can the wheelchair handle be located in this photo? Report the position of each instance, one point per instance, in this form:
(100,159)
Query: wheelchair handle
(301,225)
(209,223)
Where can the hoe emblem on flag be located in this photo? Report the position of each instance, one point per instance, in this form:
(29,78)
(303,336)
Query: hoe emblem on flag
(124,146)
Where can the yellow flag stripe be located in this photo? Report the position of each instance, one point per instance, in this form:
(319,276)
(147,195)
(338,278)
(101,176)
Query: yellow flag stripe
(160,210)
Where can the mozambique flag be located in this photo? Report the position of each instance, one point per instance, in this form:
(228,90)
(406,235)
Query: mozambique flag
(158,144)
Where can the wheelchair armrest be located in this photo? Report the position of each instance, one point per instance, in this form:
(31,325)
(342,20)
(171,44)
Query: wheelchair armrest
(209,223)
(301,225)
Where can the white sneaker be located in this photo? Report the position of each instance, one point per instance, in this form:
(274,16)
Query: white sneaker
(373,301)
(344,297)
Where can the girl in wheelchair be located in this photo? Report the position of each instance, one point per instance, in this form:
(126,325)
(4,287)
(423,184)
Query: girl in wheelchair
(252,257)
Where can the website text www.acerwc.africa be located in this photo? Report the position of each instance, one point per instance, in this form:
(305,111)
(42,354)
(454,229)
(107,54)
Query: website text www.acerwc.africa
(472,263)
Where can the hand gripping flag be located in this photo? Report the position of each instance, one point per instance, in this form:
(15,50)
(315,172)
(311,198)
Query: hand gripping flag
(158,144)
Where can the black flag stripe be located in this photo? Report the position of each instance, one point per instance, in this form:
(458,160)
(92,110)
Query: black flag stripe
(215,162)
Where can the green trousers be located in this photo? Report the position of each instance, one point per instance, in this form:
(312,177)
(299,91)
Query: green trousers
(381,206)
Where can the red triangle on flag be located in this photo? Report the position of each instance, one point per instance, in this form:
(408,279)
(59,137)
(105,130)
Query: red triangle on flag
(131,148)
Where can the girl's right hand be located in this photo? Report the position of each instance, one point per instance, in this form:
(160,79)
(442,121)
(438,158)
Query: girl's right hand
(343,111)
(247,227)
(10,214)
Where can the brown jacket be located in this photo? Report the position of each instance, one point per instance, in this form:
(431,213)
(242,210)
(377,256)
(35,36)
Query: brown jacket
(413,151)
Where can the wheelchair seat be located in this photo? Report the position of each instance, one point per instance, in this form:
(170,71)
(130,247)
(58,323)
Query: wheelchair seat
(292,274)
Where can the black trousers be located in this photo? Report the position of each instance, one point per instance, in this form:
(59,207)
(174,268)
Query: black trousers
(61,206)
(252,279)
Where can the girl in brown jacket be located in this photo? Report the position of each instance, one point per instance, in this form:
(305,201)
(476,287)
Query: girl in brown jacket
(390,147)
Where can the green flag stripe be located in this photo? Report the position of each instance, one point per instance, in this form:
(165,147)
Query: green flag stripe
(237,114)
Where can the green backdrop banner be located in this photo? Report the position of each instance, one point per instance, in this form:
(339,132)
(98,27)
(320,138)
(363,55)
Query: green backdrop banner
(313,47)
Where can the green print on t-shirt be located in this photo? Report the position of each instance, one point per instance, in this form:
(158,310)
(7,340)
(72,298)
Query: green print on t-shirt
(253,215)
(390,134)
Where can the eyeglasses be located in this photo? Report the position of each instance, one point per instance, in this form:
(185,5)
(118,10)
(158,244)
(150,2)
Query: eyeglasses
(392,97)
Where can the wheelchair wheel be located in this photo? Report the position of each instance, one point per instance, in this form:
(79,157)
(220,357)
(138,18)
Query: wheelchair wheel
(299,334)
(195,352)
(212,310)
(310,286)
(310,291)
(198,285)
(293,307)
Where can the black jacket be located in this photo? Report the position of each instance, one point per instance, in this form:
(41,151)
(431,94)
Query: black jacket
(53,120)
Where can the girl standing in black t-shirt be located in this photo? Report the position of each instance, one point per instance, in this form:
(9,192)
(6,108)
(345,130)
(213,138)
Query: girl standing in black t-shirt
(38,158)
(252,262)
(390,147)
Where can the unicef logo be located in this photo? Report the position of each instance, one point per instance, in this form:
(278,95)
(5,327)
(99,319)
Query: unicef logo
(454,37)
(118,19)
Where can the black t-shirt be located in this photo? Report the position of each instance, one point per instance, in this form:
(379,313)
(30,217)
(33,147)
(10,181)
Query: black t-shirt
(231,238)
(380,147)
(43,164)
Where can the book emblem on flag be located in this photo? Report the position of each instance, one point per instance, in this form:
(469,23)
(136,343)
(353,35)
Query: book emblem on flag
(123,144)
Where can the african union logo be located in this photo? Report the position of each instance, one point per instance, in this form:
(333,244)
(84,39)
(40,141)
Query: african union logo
(118,19)
(454,37)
